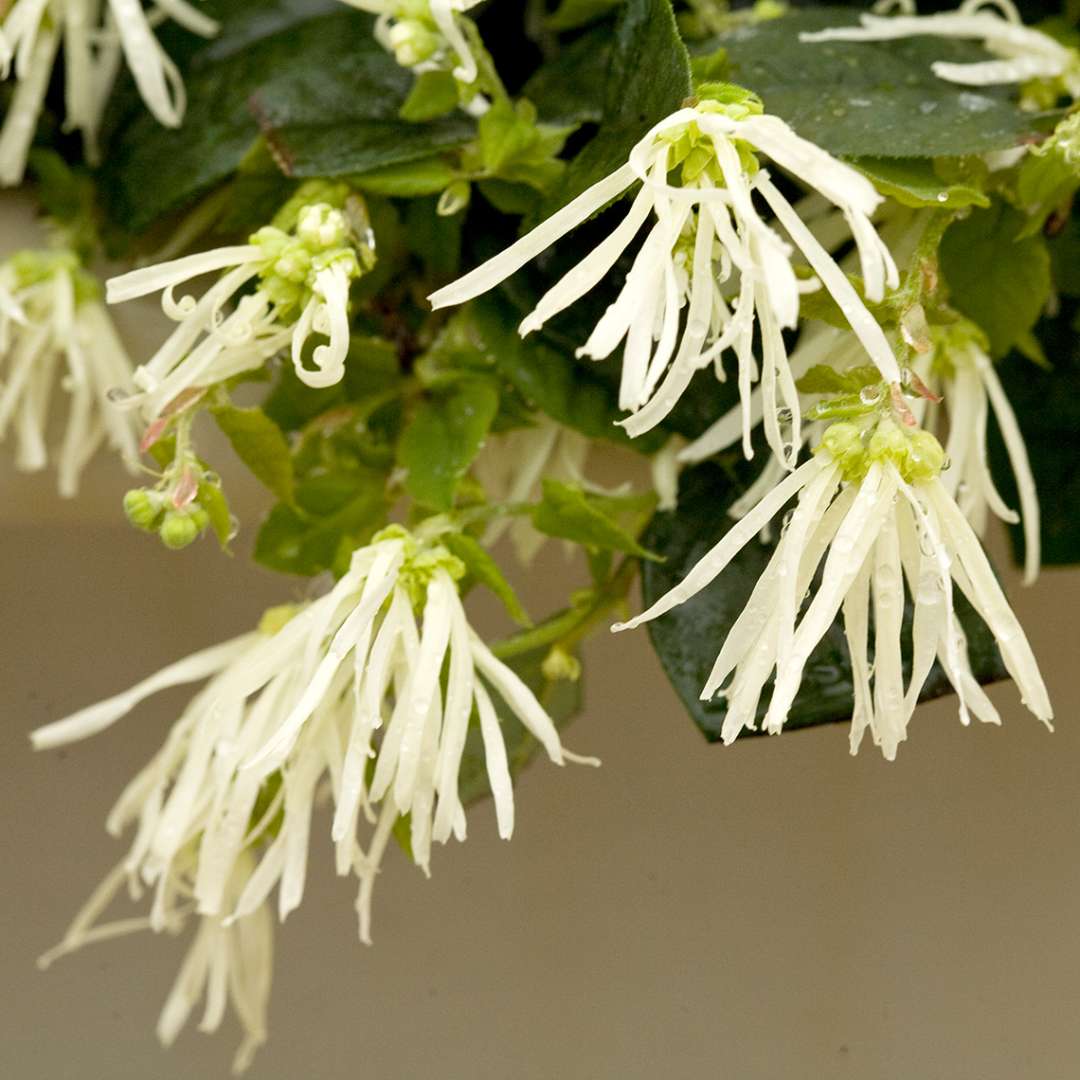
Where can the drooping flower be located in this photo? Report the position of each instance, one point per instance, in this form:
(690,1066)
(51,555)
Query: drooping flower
(303,265)
(872,505)
(230,961)
(709,251)
(424,35)
(971,390)
(1024,53)
(342,697)
(54,332)
(93,39)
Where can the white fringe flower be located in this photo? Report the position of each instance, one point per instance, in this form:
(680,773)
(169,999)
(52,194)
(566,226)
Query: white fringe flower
(971,389)
(344,697)
(93,40)
(229,961)
(871,504)
(711,252)
(54,330)
(303,276)
(1024,53)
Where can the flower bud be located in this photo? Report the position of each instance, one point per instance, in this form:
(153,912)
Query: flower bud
(454,198)
(178,529)
(142,508)
(412,42)
(559,664)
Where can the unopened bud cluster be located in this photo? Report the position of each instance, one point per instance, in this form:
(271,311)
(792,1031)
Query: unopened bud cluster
(916,454)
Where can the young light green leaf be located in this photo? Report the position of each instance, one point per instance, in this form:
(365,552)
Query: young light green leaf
(212,499)
(1000,282)
(434,94)
(408,180)
(915,182)
(569,513)
(260,445)
(443,437)
(485,570)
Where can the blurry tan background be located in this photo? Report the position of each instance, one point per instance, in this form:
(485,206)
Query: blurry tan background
(770,911)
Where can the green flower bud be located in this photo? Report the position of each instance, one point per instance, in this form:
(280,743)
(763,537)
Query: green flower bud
(844,443)
(143,508)
(412,42)
(559,665)
(925,457)
(178,530)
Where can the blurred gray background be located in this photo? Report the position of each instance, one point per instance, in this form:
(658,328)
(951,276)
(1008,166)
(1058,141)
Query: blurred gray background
(774,910)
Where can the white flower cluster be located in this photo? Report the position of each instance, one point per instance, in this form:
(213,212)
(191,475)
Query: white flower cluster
(364,697)
(54,332)
(303,267)
(873,499)
(94,36)
(711,253)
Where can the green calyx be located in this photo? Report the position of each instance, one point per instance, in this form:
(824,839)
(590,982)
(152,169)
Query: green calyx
(422,561)
(692,153)
(30,267)
(320,239)
(152,511)
(916,454)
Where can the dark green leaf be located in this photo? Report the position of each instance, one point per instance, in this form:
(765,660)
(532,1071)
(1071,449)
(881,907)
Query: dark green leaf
(688,638)
(568,513)
(1047,406)
(1000,282)
(914,182)
(485,571)
(443,437)
(311,81)
(333,513)
(647,79)
(877,99)
(260,445)
(571,14)
(570,88)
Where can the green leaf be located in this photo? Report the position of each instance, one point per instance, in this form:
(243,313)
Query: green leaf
(515,148)
(915,182)
(443,437)
(1047,407)
(688,638)
(1000,282)
(308,79)
(434,93)
(570,14)
(212,499)
(334,514)
(570,88)
(260,445)
(647,79)
(568,513)
(871,99)
(409,180)
(485,570)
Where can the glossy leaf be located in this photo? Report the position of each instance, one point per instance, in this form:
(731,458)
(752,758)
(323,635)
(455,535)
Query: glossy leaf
(1000,282)
(569,513)
(443,437)
(877,99)
(915,182)
(260,445)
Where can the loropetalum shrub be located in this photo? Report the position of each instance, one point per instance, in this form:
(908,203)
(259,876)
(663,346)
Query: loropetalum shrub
(813,269)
